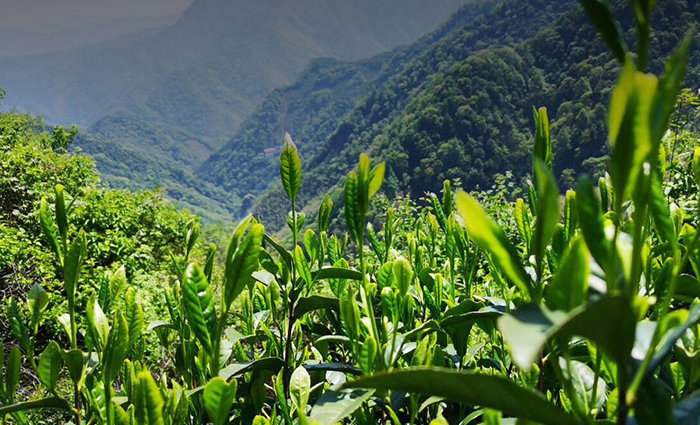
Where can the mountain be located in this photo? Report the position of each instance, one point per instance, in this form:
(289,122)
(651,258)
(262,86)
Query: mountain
(311,109)
(462,107)
(209,70)
(72,35)
(152,108)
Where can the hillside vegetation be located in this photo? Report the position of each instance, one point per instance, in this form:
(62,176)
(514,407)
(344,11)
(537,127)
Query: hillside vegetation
(576,307)
(459,108)
(153,106)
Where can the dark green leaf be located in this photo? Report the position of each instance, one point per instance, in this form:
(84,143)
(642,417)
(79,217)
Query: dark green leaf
(337,273)
(50,363)
(45,403)
(272,364)
(473,389)
(313,303)
(116,349)
(601,15)
(527,330)
(75,363)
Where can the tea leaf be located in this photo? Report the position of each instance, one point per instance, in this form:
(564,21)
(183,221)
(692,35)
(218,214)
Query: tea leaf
(470,388)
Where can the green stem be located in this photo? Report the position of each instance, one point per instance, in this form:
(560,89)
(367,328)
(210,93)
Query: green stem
(594,395)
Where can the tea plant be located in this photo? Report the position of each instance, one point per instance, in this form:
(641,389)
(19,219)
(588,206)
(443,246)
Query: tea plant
(582,309)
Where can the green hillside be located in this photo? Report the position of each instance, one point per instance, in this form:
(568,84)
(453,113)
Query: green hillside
(312,109)
(463,109)
(546,302)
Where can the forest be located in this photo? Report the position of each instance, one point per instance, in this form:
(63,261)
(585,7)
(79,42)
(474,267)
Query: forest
(532,275)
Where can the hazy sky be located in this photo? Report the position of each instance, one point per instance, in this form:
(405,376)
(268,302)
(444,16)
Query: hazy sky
(33,14)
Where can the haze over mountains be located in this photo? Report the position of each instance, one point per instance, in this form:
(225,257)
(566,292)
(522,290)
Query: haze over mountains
(152,107)
(200,107)
(206,72)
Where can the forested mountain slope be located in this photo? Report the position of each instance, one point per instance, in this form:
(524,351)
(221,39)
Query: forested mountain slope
(206,72)
(463,109)
(312,108)
(152,108)
(389,104)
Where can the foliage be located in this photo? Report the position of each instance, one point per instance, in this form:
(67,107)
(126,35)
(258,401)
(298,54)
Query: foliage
(136,230)
(458,106)
(554,309)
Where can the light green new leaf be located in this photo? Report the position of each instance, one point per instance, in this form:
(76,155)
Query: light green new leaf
(353,217)
(334,406)
(218,399)
(97,323)
(543,142)
(569,286)
(134,317)
(311,244)
(522,221)
(290,168)
(199,305)
(49,227)
(61,214)
(50,363)
(244,261)
(630,128)
(17,326)
(490,237)
(302,266)
(472,389)
(117,283)
(670,85)
(300,388)
(368,355)
(376,177)
(403,275)
(591,223)
(570,214)
(150,403)
(548,212)
(363,183)
(661,213)
(116,348)
(72,266)
(324,214)
(260,420)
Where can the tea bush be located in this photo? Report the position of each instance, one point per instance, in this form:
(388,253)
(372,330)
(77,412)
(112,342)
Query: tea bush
(568,308)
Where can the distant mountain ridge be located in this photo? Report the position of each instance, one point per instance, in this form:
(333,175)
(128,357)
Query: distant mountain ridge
(209,70)
(153,109)
(462,107)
